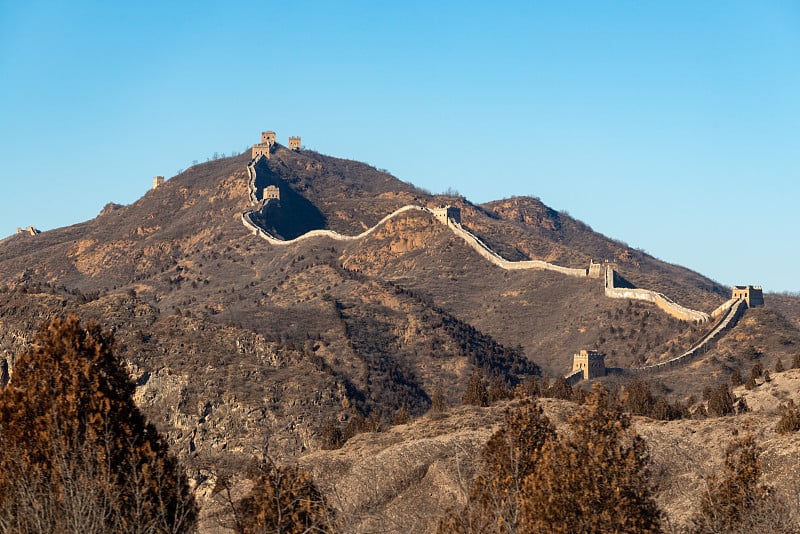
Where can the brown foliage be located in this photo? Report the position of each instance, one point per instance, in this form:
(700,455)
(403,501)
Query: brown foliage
(735,502)
(721,401)
(638,399)
(438,401)
(790,419)
(559,389)
(599,457)
(76,450)
(736,378)
(282,499)
(331,435)
(476,393)
(537,482)
(510,455)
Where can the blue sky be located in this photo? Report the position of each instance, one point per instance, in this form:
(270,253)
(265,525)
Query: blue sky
(672,126)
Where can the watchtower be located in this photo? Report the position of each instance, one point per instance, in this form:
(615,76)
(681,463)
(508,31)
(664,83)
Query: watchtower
(158,180)
(268,137)
(591,362)
(271,192)
(263,148)
(444,214)
(752,295)
(294,143)
(595,270)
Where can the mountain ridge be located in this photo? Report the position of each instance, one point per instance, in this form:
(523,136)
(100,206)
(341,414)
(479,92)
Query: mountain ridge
(234,341)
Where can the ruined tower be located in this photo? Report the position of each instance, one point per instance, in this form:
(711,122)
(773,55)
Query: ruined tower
(294,143)
(158,180)
(595,270)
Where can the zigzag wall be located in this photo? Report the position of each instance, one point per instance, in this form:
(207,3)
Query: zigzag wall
(662,301)
(727,322)
(730,311)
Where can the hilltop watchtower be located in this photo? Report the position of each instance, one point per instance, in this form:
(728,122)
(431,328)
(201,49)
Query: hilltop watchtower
(263,148)
(268,137)
(294,143)
(591,362)
(752,295)
(157,181)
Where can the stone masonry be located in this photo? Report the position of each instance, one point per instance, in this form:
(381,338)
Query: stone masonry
(271,192)
(591,362)
(265,146)
(752,295)
(444,214)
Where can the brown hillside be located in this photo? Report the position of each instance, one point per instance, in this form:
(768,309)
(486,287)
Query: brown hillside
(234,342)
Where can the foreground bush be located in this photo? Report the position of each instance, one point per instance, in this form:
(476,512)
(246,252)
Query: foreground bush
(736,502)
(593,478)
(76,454)
(284,500)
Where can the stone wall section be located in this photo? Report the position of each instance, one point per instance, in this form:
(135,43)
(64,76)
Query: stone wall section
(251,179)
(734,310)
(330,234)
(723,308)
(727,322)
(483,249)
(574,377)
(662,301)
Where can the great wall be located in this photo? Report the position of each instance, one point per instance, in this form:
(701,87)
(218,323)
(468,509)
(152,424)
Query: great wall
(586,364)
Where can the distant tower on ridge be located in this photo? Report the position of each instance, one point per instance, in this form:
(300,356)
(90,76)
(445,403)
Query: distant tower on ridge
(263,148)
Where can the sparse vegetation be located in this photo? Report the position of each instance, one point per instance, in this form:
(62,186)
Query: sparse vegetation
(510,456)
(736,502)
(597,456)
(790,418)
(476,393)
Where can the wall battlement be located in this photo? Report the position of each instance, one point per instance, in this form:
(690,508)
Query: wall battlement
(662,301)
(268,137)
(595,269)
(30,230)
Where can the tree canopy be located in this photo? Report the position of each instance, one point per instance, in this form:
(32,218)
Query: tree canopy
(76,454)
